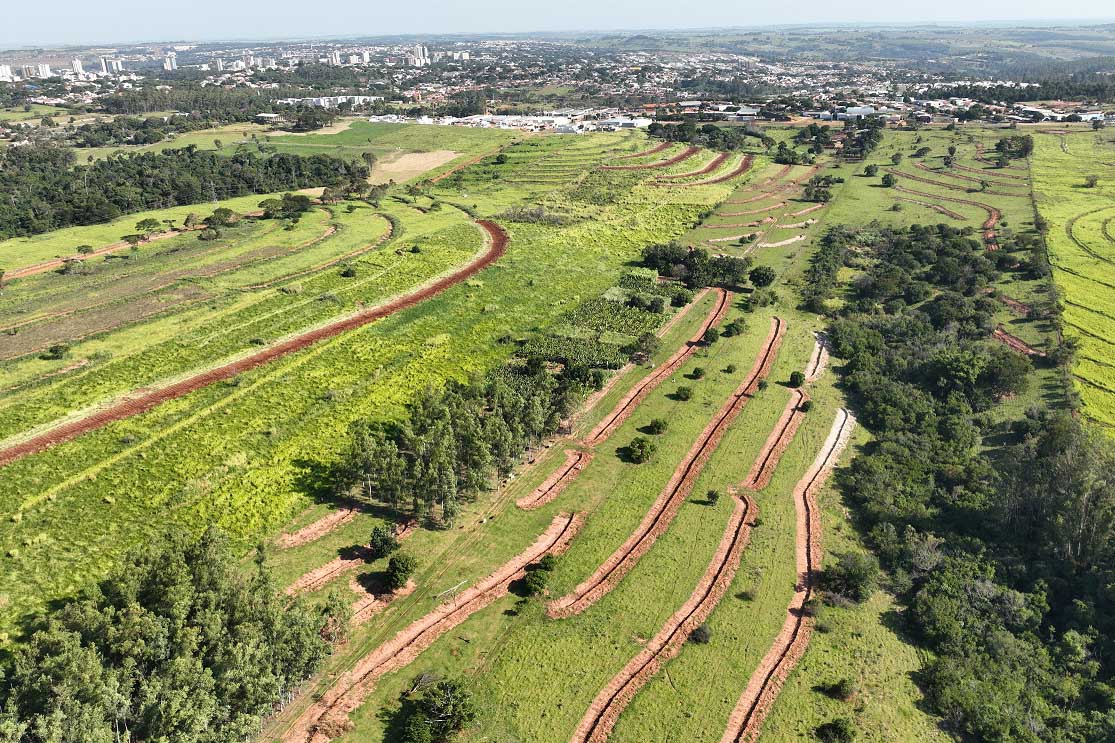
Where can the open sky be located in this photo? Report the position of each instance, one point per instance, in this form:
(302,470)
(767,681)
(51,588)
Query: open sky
(28,24)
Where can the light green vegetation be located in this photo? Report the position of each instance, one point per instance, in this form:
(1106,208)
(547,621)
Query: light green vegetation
(249,453)
(1082,250)
(38,111)
(203,139)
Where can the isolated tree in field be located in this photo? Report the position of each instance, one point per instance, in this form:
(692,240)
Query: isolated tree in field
(369,159)
(658,426)
(84,249)
(1091,181)
(221,217)
(952,150)
(133,240)
(837,731)
(797,379)
(399,569)
(641,449)
(871,171)
(702,635)
(984,185)
(383,541)
(889,181)
(762,276)
(712,335)
(896,158)
(149,227)
(192,220)
(683,393)
(713,497)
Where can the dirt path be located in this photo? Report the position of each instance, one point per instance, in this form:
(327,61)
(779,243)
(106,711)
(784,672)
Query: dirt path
(369,604)
(948,186)
(762,689)
(496,239)
(625,407)
(666,506)
(684,155)
(764,194)
(328,716)
(1018,308)
(797,225)
(606,708)
(575,461)
(989,224)
(775,446)
(319,577)
(818,360)
(1015,343)
(743,167)
(56,263)
(712,165)
(740,225)
(970,179)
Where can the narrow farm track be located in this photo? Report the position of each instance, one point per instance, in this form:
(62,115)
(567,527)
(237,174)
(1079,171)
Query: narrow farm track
(749,212)
(766,682)
(497,242)
(321,576)
(312,532)
(712,165)
(684,155)
(935,207)
(575,461)
(1019,308)
(759,196)
(743,167)
(740,225)
(626,406)
(782,243)
(609,704)
(807,210)
(666,506)
(780,437)
(327,717)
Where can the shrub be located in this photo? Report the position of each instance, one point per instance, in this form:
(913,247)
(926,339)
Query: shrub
(698,372)
(797,379)
(399,569)
(641,449)
(701,635)
(806,406)
(837,731)
(683,393)
(730,369)
(734,328)
(534,584)
(712,335)
(383,541)
(348,271)
(762,276)
(713,497)
(658,426)
(854,576)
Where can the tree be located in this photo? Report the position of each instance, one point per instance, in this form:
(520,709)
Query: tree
(1090,181)
(797,379)
(683,393)
(711,335)
(840,730)
(658,426)
(383,540)
(149,227)
(192,221)
(889,181)
(713,497)
(702,634)
(641,449)
(400,568)
(221,217)
(762,276)
(854,575)
(534,583)
(133,240)
(896,158)
(871,171)
(84,250)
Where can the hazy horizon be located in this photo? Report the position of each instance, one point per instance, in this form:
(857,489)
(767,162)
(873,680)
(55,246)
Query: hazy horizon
(67,22)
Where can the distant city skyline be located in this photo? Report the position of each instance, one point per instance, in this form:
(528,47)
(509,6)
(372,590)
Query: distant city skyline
(69,22)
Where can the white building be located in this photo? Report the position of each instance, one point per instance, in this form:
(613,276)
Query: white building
(76,66)
(219,65)
(44,71)
(365,56)
(170,61)
(335,58)
(6,73)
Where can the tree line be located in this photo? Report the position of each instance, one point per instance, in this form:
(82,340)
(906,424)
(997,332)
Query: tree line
(998,537)
(46,191)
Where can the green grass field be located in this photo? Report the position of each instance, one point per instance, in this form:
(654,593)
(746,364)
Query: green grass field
(36,112)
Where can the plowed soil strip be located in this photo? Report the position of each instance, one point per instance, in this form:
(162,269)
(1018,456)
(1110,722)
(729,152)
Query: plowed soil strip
(797,225)
(370,604)
(497,246)
(329,713)
(970,179)
(1015,343)
(762,689)
(780,437)
(666,506)
(713,164)
(807,210)
(993,214)
(606,708)
(818,360)
(1015,306)
(318,529)
(625,407)
(575,461)
(935,207)
(684,155)
(646,153)
(749,212)
(743,167)
(947,186)
(782,243)
(322,575)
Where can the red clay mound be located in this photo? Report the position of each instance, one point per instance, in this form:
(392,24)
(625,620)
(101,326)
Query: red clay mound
(327,717)
(666,506)
(762,689)
(684,155)
(606,708)
(575,461)
(713,164)
(369,604)
(625,407)
(1015,343)
(497,246)
(780,437)
(646,153)
(743,167)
